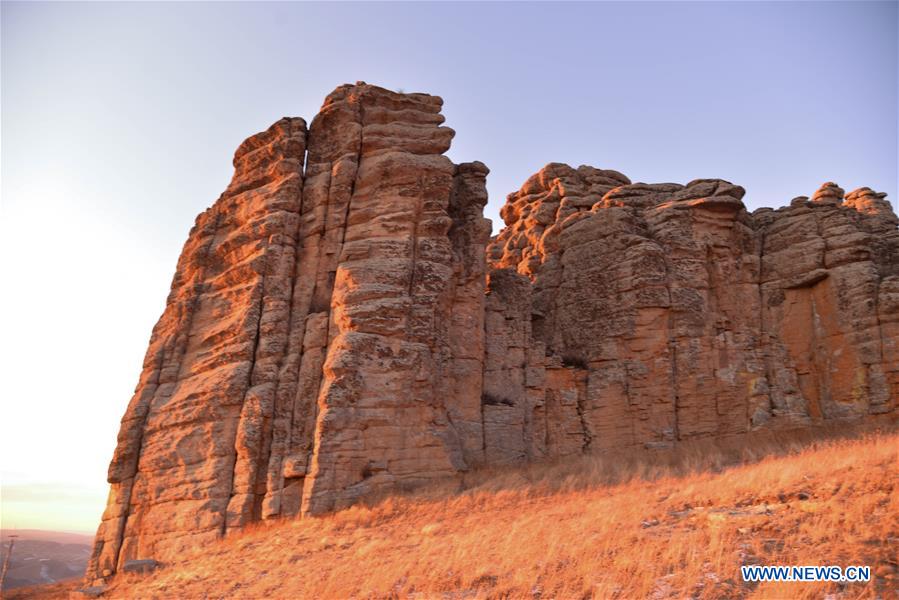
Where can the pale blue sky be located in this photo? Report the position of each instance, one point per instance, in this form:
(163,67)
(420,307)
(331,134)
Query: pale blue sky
(119,121)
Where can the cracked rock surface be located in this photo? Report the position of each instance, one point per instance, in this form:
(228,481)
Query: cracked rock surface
(340,323)
(658,312)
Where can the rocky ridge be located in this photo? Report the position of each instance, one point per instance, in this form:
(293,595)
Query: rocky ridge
(660,312)
(341,323)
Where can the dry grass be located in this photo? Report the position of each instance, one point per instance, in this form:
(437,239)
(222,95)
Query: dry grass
(50,591)
(632,525)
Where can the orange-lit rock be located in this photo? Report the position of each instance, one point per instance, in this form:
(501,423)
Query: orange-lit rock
(197,418)
(334,329)
(324,334)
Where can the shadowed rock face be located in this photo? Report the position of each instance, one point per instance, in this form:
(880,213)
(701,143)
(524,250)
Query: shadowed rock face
(643,314)
(332,329)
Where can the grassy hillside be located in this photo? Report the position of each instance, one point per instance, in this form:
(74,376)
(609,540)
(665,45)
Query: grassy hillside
(629,525)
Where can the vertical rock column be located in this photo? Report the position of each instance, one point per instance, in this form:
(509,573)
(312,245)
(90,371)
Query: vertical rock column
(383,369)
(464,377)
(277,219)
(324,334)
(504,403)
(192,432)
(828,276)
(876,217)
(382,413)
(712,271)
(332,165)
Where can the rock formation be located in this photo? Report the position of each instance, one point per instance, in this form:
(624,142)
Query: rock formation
(333,331)
(658,312)
(323,337)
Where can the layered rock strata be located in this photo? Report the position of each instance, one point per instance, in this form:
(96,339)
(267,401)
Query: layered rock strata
(661,312)
(340,324)
(323,337)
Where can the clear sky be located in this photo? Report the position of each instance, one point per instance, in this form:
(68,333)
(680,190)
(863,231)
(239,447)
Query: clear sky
(119,121)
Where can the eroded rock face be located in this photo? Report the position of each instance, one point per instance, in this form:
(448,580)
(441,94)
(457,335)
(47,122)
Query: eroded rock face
(186,439)
(334,329)
(668,312)
(324,334)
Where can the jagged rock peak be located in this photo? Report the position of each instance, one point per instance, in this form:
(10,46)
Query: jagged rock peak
(865,200)
(558,196)
(829,193)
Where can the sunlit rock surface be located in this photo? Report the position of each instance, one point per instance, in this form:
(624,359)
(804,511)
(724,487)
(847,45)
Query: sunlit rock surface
(341,323)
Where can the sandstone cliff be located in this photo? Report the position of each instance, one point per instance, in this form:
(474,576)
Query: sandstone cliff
(333,331)
(323,337)
(652,313)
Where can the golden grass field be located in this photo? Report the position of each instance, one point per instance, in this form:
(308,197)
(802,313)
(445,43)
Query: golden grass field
(635,524)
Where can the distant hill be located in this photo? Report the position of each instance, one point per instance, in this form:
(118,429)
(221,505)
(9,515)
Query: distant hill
(41,557)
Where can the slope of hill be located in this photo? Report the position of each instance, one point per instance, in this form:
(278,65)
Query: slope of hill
(41,556)
(626,525)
